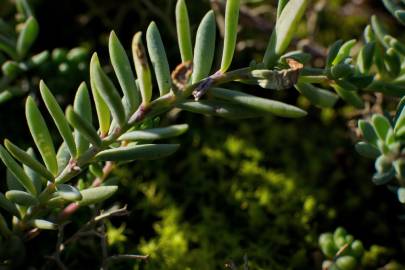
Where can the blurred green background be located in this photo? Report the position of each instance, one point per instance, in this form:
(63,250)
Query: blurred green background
(265,188)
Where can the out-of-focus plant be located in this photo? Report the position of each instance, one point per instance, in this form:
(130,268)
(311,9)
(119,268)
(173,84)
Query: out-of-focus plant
(343,252)
(341,249)
(396,8)
(21,68)
(44,192)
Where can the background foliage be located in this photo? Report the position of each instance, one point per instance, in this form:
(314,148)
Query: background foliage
(264,188)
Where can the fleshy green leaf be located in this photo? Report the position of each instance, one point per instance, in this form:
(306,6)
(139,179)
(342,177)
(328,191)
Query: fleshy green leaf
(367,150)
(35,177)
(26,159)
(220,108)
(27,36)
(381,126)
(58,117)
(350,97)
(183,31)
(280,7)
(318,96)
(96,194)
(261,104)
(204,49)
(379,30)
(365,58)
(83,127)
(332,52)
(17,171)
(62,157)
(138,152)
(344,51)
(231,31)
(103,113)
(41,136)
(284,30)
(21,198)
(82,106)
(110,95)
(125,76)
(158,58)
(142,68)
(68,193)
(43,224)
(154,133)
(8,206)
(368,132)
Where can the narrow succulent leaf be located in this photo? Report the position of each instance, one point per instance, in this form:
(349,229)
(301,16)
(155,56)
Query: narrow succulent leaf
(231,32)
(43,224)
(56,202)
(392,62)
(4,229)
(395,10)
(8,46)
(58,117)
(82,106)
(83,127)
(24,8)
(138,152)
(398,46)
(368,132)
(158,58)
(27,36)
(332,52)
(28,160)
(154,133)
(21,198)
(381,126)
(5,96)
(280,7)
(13,182)
(38,181)
(220,108)
(40,134)
(183,31)
(344,51)
(17,171)
(383,178)
(342,70)
(142,68)
(110,95)
(401,195)
(346,85)
(379,30)
(400,120)
(69,193)
(62,157)
(318,96)
(368,34)
(261,104)
(8,206)
(96,195)
(387,87)
(350,97)
(284,30)
(367,150)
(204,48)
(103,113)
(125,76)
(365,58)
(400,15)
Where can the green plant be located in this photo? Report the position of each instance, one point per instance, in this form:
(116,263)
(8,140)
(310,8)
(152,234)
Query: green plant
(20,67)
(342,251)
(44,194)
